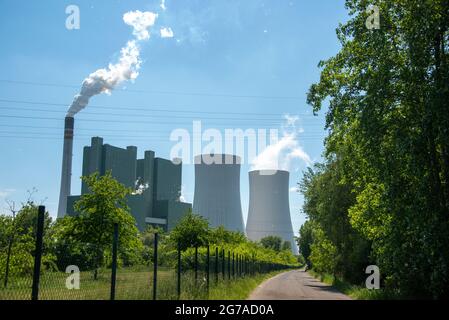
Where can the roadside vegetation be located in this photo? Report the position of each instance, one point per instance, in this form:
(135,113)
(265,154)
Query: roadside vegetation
(382,195)
(85,241)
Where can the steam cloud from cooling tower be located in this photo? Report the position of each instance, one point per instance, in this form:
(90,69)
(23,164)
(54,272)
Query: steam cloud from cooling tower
(281,154)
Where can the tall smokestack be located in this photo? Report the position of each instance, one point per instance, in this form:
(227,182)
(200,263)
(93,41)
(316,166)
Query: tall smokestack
(66,172)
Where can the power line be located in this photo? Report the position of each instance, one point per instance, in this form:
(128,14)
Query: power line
(148,108)
(156,122)
(61,138)
(82,135)
(101,120)
(138,115)
(81,129)
(118,138)
(57,134)
(163,92)
(96,130)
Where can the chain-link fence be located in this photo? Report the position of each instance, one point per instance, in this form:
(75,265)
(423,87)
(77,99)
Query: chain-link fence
(50,269)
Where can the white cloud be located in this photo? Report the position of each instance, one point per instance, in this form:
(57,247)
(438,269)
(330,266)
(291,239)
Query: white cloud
(281,154)
(162,5)
(291,120)
(293,189)
(166,33)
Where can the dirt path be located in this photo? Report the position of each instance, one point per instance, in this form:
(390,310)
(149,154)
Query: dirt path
(295,285)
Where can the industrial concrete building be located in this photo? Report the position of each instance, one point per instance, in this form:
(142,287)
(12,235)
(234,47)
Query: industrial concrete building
(269,207)
(217,190)
(157,182)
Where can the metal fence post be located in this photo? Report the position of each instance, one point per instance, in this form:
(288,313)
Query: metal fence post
(38,253)
(156,238)
(216,264)
(229,265)
(207,267)
(179,271)
(196,264)
(236,265)
(223,263)
(233,265)
(114,261)
(239,265)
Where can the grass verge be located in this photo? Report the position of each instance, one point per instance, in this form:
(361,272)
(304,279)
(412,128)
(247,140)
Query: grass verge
(355,291)
(134,284)
(239,289)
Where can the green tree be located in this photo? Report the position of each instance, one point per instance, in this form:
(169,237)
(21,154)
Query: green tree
(323,253)
(272,242)
(17,242)
(191,231)
(220,236)
(98,211)
(305,240)
(327,199)
(388,121)
(286,245)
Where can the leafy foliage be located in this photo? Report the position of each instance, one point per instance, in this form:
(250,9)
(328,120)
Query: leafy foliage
(272,242)
(387,154)
(98,211)
(191,231)
(17,240)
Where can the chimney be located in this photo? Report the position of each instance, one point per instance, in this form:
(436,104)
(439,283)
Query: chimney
(66,173)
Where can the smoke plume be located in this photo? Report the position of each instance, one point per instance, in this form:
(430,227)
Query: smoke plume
(106,79)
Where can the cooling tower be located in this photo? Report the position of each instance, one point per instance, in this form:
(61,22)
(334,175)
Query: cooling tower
(269,209)
(217,190)
(66,172)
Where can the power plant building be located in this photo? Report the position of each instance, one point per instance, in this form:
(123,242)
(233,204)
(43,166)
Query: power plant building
(217,190)
(156,181)
(269,207)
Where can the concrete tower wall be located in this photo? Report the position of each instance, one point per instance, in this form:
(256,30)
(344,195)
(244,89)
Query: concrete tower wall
(217,191)
(167,179)
(269,207)
(66,171)
(102,158)
(92,160)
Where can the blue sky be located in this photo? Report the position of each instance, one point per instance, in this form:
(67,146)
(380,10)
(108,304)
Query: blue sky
(254,59)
